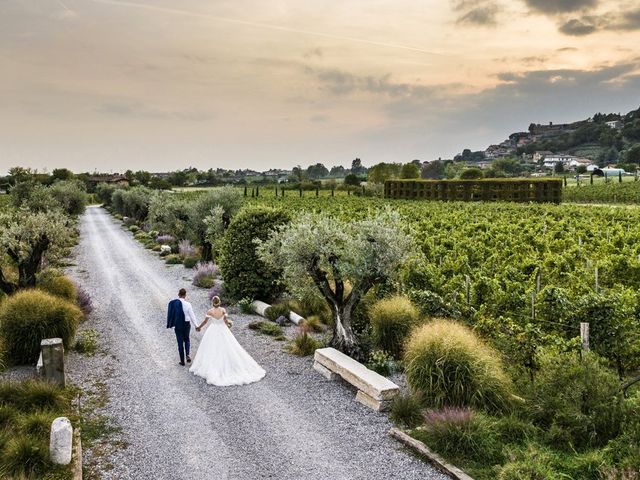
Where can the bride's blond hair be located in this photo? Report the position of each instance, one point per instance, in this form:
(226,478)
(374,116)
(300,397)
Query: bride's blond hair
(215,301)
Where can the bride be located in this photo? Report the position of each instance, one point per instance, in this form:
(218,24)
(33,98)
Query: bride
(220,359)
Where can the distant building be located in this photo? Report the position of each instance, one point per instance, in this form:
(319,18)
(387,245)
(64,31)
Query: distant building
(110,179)
(541,155)
(550,161)
(615,124)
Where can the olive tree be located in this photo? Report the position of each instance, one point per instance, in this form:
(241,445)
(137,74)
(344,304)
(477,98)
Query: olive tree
(25,238)
(342,260)
(211,214)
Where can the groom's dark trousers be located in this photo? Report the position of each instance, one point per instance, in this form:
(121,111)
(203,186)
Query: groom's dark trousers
(176,320)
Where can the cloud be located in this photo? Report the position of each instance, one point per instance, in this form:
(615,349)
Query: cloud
(629,20)
(578,27)
(485,16)
(313,53)
(138,110)
(553,7)
(476,12)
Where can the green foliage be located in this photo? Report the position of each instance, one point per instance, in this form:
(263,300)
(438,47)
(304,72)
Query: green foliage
(245,305)
(304,344)
(32,395)
(280,309)
(71,195)
(381,362)
(314,324)
(575,400)
(190,262)
(410,170)
(461,434)
(384,171)
(450,366)
(59,286)
(173,259)
(267,328)
(391,322)
(24,456)
(29,316)
(87,342)
(244,273)
(471,174)
(406,410)
(134,229)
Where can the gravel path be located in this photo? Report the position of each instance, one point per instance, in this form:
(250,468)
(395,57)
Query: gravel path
(294,424)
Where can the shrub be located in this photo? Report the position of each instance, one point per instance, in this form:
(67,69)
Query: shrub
(267,328)
(172,259)
(59,286)
(575,400)
(313,324)
(205,274)
(134,229)
(626,447)
(32,395)
(8,417)
(190,262)
(406,410)
(312,304)
(37,423)
(459,433)
(391,322)
(30,316)
(535,463)
(515,430)
(449,366)
(245,305)
(87,342)
(304,344)
(431,304)
(381,362)
(185,249)
(276,311)
(24,456)
(83,299)
(71,195)
(244,273)
(218,290)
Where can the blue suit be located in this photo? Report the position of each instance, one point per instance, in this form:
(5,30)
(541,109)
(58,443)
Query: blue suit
(176,320)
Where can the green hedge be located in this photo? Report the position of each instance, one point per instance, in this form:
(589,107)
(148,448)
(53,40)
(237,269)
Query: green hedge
(488,190)
(243,272)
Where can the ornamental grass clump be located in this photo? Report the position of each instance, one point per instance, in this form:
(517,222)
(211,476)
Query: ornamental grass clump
(205,274)
(277,310)
(59,286)
(186,249)
(449,366)
(391,322)
(29,316)
(304,344)
(165,239)
(406,410)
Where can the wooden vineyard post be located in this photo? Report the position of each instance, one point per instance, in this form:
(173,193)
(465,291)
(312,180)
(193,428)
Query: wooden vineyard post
(253,193)
(317,191)
(300,192)
(257,191)
(619,177)
(245,190)
(584,336)
(591,179)
(282,191)
(363,190)
(276,191)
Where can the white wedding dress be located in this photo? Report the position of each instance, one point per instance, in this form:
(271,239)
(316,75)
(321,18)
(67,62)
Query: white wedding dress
(221,360)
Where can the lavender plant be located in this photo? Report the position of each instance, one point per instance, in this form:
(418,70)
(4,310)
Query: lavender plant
(186,249)
(205,274)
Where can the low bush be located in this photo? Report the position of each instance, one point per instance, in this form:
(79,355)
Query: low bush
(32,395)
(625,449)
(312,304)
(245,305)
(448,365)
(164,239)
(314,324)
(87,342)
(406,410)
(304,344)
(277,310)
(173,259)
(267,328)
(244,273)
(205,274)
(575,400)
(381,362)
(134,229)
(190,262)
(29,316)
(36,423)
(535,462)
(218,290)
(59,286)
(460,433)
(391,322)
(24,456)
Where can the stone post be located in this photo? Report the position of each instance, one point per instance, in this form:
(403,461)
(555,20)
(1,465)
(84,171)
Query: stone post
(61,441)
(53,360)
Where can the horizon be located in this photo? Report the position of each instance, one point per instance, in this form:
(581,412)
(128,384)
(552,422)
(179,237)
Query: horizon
(111,85)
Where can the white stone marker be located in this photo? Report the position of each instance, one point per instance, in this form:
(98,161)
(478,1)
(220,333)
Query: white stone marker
(165,248)
(61,441)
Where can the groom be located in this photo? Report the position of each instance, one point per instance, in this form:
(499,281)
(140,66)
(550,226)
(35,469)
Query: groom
(179,317)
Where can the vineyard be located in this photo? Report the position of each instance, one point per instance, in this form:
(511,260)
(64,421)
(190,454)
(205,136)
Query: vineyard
(612,192)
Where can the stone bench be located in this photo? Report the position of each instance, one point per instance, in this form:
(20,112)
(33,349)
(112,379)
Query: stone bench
(374,390)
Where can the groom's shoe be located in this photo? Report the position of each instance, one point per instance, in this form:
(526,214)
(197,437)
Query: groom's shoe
(181,363)
(188,359)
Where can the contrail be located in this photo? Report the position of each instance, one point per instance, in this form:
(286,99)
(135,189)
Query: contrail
(187,13)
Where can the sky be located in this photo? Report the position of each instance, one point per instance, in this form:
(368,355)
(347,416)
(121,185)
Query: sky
(159,85)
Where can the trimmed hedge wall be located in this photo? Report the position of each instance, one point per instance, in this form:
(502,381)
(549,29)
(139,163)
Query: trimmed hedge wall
(487,190)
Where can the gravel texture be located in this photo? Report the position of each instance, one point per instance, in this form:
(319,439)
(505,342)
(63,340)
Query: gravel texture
(293,424)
